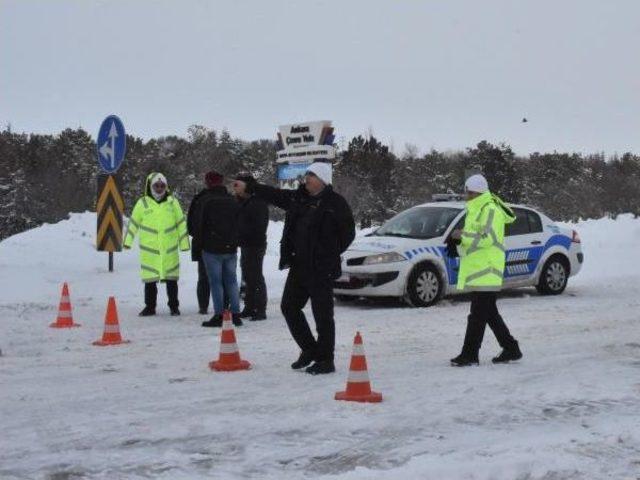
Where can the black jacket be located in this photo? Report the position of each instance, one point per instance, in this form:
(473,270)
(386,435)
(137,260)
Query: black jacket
(253,220)
(194,224)
(327,229)
(218,224)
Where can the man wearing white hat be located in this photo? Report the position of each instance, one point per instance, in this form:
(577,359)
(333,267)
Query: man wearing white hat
(318,227)
(481,247)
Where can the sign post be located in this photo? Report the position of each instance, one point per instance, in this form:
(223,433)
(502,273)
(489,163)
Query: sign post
(111,146)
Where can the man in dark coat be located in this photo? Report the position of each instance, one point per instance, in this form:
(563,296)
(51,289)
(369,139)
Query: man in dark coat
(218,236)
(318,228)
(253,220)
(194,215)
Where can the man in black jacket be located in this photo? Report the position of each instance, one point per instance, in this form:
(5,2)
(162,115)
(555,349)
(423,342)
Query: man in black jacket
(218,235)
(253,220)
(211,180)
(318,227)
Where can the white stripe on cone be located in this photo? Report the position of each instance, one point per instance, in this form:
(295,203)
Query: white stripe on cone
(358,350)
(228,348)
(111,329)
(64,299)
(64,314)
(358,376)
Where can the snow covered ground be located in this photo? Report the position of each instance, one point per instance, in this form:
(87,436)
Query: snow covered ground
(152,409)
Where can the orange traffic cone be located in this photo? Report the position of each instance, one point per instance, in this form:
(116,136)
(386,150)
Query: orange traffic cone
(111,335)
(65,317)
(229,359)
(358,385)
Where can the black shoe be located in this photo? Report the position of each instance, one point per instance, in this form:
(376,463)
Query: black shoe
(464,361)
(508,355)
(175,312)
(321,367)
(246,313)
(147,312)
(237,321)
(215,321)
(203,311)
(304,360)
(258,316)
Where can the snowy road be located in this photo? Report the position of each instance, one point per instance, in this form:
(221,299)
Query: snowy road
(152,409)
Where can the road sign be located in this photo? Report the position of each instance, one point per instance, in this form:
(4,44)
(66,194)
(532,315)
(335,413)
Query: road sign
(110,208)
(112,144)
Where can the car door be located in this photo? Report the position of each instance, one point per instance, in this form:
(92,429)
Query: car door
(524,243)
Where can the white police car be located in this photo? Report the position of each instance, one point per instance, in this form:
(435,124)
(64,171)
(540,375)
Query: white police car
(406,257)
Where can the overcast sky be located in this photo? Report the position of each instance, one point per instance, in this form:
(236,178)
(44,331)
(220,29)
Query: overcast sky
(435,74)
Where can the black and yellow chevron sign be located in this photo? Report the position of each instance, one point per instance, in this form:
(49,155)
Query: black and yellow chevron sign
(109,208)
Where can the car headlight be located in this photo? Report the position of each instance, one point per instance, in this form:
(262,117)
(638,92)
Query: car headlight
(383,258)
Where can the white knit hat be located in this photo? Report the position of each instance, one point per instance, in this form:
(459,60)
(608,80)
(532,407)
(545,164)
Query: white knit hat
(321,170)
(158,177)
(476,183)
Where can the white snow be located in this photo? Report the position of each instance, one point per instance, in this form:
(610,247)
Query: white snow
(152,408)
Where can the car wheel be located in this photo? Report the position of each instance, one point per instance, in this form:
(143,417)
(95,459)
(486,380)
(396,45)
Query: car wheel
(554,276)
(424,286)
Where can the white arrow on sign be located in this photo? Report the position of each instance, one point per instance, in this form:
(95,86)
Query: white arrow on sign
(110,151)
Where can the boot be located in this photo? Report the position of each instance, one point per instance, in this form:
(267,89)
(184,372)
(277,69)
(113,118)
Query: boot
(202,311)
(175,311)
(246,313)
(321,367)
(237,321)
(509,354)
(258,316)
(215,321)
(304,360)
(463,360)
(147,312)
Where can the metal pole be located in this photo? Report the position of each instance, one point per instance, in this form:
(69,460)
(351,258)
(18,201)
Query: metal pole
(111,261)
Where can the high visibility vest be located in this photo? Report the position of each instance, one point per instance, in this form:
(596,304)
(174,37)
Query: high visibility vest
(482,253)
(162,230)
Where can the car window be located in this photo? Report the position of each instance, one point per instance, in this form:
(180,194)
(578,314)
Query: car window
(521,225)
(419,222)
(535,223)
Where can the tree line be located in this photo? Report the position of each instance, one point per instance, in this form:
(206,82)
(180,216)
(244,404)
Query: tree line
(44,177)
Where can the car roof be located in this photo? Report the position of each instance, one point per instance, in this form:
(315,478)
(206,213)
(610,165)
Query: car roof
(460,204)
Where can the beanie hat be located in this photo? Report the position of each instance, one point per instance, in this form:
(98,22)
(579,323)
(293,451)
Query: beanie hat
(213,179)
(321,170)
(158,178)
(476,183)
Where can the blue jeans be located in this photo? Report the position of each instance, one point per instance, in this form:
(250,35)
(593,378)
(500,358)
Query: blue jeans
(221,270)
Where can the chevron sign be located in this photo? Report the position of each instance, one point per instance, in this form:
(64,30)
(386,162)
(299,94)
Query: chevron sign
(109,208)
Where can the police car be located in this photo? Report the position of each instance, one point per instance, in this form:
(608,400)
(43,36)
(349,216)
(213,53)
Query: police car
(406,257)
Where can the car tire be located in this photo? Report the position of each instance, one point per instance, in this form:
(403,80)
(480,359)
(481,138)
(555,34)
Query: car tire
(424,286)
(553,276)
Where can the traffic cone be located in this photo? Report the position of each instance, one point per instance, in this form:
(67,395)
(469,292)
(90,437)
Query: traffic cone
(358,385)
(111,335)
(229,359)
(65,317)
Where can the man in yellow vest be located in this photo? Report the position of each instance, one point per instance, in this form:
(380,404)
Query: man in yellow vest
(158,220)
(482,259)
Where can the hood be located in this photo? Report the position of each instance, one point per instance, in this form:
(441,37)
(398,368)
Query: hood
(380,244)
(147,185)
(477,203)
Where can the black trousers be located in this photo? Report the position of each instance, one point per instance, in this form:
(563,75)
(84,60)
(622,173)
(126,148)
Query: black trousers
(202,288)
(151,294)
(484,311)
(299,289)
(255,289)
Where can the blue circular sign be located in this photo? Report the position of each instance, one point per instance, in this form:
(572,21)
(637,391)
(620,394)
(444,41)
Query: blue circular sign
(112,144)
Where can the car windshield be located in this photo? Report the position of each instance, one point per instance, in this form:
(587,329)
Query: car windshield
(419,222)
